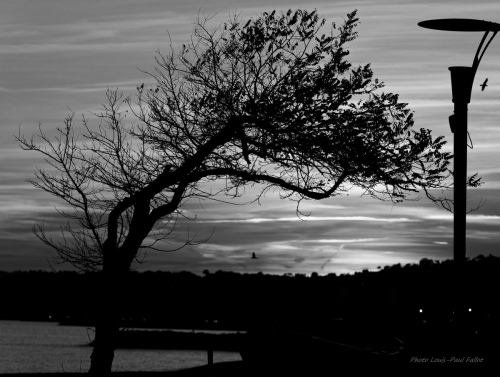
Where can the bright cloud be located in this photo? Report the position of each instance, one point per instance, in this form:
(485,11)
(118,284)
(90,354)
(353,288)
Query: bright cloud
(347,240)
(470,218)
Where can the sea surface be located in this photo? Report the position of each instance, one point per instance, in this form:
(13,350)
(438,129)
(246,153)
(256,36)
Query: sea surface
(31,347)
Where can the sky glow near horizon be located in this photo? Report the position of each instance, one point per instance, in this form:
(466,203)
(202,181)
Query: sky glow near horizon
(61,56)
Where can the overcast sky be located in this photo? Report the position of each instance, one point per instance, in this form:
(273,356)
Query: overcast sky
(57,55)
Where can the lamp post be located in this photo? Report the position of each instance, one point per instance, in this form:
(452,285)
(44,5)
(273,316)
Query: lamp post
(462,79)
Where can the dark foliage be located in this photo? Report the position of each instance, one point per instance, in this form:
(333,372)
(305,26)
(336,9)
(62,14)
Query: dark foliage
(240,301)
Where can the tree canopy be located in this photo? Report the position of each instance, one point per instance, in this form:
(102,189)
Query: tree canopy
(287,98)
(267,102)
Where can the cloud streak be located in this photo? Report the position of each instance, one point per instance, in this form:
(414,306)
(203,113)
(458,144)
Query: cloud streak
(312,218)
(355,240)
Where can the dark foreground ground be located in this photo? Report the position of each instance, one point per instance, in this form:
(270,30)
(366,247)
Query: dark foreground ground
(240,368)
(351,346)
(347,342)
(284,353)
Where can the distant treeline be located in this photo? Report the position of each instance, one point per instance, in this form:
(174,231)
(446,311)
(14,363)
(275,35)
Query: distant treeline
(229,300)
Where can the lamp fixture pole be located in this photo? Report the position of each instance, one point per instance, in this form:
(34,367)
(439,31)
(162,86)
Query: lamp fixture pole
(462,79)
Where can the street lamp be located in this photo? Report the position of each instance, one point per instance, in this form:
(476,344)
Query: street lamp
(462,79)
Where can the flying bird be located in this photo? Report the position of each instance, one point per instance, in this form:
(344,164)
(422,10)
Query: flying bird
(254,256)
(483,85)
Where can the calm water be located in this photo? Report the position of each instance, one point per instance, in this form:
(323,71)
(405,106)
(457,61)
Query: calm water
(30,347)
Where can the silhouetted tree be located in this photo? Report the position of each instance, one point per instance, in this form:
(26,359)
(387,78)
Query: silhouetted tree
(266,102)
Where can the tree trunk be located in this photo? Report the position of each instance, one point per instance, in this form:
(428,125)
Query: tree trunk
(112,291)
(102,356)
(114,288)
(107,325)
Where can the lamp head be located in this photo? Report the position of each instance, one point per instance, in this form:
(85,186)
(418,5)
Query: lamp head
(460,24)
